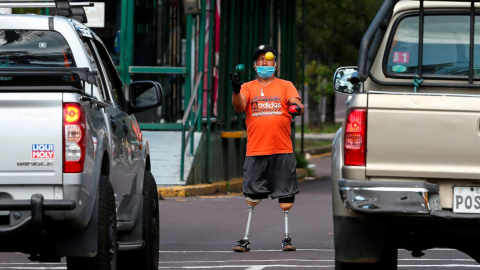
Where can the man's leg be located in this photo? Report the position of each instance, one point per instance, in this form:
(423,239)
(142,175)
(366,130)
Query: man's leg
(244,244)
(286,204)
(284,186)
(255,188)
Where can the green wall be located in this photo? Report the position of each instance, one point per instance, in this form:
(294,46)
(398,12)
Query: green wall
(226,159)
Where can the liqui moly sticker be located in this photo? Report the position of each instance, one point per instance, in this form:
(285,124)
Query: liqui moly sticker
(42,151)
(401,57)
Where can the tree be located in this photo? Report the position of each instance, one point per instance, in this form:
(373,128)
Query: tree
(333,32)
(312,79)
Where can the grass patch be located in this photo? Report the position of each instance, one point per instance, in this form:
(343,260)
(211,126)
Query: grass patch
(308,144)
(327,128)
(301,161)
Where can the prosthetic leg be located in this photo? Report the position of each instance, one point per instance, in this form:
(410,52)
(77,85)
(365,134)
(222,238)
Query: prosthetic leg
(244,244)
(286,204)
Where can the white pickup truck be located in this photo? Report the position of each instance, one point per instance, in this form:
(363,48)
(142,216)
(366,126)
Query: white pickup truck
(406,162)
(75,176)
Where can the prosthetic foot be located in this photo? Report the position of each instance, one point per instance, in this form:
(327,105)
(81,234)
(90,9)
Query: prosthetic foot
(287,241)
(244,244)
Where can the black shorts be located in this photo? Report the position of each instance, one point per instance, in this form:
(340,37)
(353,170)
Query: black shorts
(273,175)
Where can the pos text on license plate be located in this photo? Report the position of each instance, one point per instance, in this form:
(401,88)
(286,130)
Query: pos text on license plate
(466,199)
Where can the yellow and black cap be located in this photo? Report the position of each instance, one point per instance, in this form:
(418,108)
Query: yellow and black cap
(263,48)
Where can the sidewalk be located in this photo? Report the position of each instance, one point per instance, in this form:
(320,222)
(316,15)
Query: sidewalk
(234,185)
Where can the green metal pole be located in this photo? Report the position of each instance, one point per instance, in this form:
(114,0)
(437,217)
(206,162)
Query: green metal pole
(188,85)
(182,157)
(251,72)
(231,30)
(239,48)
(303,72)
(188,63)
(201,60)
(192,113)
(266,35)
(211,44)
(126,39)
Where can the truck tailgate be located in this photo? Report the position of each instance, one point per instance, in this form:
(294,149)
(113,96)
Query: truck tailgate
(423,136)
(31,138)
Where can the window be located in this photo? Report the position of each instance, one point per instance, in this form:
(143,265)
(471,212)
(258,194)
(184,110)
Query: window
(446,46)
(36,49)
(111,82)
(112,78)
(95,67)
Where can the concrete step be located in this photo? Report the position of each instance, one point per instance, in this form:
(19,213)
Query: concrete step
(165,147)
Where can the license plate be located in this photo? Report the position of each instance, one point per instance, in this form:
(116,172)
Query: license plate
(466,199)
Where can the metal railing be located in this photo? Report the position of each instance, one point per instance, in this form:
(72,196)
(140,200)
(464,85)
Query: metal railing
(189,112)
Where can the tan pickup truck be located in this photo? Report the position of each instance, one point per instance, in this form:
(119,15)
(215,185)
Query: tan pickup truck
(406,162)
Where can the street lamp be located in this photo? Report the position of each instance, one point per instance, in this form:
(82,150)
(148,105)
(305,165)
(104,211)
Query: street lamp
(191,6)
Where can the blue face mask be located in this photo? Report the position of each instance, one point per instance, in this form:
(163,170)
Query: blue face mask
(265,72)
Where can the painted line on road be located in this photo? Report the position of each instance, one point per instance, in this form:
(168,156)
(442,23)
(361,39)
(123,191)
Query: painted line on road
(41,263)
(307,260)
(247,267)
(441,265)
(33,267)
(230,251)
(275,250)
(261,267)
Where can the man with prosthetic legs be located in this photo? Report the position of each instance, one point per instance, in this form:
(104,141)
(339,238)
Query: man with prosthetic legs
(270,166)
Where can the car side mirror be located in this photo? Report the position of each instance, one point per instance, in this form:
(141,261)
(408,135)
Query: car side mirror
(345,81)
(145,95)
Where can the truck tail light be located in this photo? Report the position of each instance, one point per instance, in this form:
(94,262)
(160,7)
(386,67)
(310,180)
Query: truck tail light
(74,138)
(355,138)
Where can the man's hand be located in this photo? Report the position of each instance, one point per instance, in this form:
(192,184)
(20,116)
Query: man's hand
(236,84)
(294,109)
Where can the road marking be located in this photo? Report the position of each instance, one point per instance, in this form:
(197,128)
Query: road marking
(230,251)
(33,267)
(247,267)
(306,260)
(278,250)
(261,267)
(41,263)
(441,265)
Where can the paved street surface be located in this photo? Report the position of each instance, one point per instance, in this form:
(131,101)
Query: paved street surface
(199,232)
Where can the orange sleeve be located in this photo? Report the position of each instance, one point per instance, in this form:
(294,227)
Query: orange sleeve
(245,90)
(291,91)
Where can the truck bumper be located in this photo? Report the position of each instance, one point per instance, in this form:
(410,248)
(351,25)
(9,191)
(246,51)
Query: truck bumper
(36,206)
(390,197)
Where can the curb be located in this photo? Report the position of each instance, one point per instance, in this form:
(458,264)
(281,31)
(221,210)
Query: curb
(233,185)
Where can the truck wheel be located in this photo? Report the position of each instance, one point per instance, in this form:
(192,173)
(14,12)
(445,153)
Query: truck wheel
(147,257)
(106,258)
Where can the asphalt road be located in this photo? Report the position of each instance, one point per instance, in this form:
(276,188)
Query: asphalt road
(199,232)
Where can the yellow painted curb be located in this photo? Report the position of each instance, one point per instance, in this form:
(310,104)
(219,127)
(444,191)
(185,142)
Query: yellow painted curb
(234,185)
(233,134)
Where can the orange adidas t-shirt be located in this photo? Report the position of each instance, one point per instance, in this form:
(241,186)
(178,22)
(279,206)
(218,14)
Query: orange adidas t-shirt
(268,120)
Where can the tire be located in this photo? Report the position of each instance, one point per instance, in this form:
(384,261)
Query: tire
(147,257)
(106,258)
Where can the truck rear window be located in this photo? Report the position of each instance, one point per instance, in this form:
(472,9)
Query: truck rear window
(446,46)
(32,49)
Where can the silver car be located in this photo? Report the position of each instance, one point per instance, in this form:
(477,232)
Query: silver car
(75,176)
